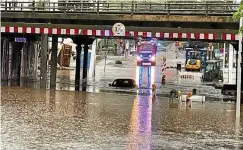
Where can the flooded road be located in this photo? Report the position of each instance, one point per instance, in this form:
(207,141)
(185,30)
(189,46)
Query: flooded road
(66,78)
(43,119)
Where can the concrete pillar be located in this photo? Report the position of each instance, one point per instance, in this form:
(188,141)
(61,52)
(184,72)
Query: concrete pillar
(231,56)
(4,59)
(33,59)
(16,61)
(77,70)
(93,59)
(85,66)
(24,60)
(30,62)
(53,62)
(225,68)
(43,62)
(82,40)
(10,44)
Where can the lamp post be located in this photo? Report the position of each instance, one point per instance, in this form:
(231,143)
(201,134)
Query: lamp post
(238,98)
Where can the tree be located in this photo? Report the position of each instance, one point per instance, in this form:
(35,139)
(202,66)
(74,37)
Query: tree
(238,14)
(110,46)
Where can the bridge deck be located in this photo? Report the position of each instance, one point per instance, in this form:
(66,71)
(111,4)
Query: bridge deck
(135,11)
(105,31)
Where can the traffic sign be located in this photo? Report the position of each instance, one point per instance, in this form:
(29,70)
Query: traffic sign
(221,50)
(20,39)
(118,29)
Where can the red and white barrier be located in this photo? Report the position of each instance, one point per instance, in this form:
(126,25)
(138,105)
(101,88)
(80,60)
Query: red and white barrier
(163,67)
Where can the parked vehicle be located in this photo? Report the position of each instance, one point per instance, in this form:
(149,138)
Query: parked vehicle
(127,83)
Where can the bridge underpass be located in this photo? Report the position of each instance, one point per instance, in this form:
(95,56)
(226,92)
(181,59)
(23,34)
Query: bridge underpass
(101,121)
(33,33)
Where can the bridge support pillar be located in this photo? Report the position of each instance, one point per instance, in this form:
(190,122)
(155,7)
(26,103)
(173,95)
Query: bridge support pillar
(16,61)
(53,62)
(82,41)
(88,41)
(78,56)
(85,66)
(93,59)
(29,59)
(43,62)
(5,59)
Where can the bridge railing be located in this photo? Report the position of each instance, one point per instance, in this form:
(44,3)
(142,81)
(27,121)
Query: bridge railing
(121,8)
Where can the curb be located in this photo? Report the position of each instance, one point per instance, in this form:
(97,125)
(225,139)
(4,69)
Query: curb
(207,98)
(172,67)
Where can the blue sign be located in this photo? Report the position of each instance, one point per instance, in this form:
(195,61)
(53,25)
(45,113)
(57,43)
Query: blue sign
(82,59)
(217,51)
(20,39)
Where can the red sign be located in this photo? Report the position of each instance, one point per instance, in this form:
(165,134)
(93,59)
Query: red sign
(221,50)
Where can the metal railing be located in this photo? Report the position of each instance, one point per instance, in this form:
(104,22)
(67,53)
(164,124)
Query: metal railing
(121,8)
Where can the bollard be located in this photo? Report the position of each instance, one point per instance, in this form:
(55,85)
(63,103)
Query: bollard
(163,80)
(179,96)
(178,67)
(163,70)
(153,91)
(194,91)
(173,94)
(188,100)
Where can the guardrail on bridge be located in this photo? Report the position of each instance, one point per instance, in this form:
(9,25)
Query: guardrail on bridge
(216,9)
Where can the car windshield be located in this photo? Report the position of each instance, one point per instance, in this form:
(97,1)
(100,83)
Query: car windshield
(209,67)
(145,47)
(123,83)
(195,55)
(192,62)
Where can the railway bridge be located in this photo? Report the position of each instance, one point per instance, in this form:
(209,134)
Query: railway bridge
(29,20)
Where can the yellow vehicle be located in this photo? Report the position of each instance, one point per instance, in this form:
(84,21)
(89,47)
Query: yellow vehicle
(194,61)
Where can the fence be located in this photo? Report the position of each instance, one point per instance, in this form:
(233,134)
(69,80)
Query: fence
(224,9)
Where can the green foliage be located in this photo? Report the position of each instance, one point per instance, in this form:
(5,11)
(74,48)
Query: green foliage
(40,4)
(238,14)
(110,48)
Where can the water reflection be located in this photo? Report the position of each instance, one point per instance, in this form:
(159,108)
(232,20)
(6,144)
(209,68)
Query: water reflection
(140,126)
(49,119)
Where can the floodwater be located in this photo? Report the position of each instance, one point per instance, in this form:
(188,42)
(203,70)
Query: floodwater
(45,119)
(100,83)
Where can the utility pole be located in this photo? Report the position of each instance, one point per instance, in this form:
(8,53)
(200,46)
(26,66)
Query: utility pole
(238,98)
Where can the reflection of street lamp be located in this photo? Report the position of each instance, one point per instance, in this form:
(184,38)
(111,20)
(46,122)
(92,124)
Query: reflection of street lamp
(106,47)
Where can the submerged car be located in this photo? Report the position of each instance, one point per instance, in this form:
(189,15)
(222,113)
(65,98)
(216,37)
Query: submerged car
(127,83)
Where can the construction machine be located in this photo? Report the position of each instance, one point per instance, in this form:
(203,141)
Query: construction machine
(195,59)
(213,70)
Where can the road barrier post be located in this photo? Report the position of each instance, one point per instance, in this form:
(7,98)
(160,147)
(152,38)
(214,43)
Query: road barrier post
(188,100)
(163,69)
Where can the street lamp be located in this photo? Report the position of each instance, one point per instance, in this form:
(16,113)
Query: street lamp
(238,97)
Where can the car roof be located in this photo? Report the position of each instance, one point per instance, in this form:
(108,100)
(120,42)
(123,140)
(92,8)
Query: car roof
(124,79)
